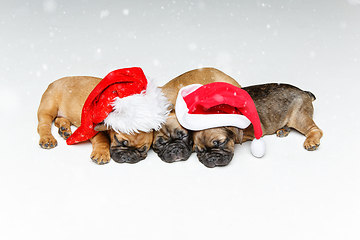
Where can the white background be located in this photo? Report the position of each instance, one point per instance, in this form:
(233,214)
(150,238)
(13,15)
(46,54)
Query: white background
(288,194)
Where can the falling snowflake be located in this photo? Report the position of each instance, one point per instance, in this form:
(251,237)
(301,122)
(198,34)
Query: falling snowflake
(104,14)
(126,11)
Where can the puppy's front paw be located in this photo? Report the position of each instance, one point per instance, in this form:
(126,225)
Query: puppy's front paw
(311,144)
(48,142)
(100,156)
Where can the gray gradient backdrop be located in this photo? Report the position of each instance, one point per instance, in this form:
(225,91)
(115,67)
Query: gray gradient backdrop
(288,194)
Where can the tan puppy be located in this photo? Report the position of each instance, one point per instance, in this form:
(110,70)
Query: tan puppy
(175,143)
(63,101)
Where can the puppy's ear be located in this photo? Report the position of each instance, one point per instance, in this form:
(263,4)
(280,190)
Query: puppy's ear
(239,134)
(101,127)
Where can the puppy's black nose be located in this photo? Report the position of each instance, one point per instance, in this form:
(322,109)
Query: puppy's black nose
(212,159)
(175,151)
(126,156)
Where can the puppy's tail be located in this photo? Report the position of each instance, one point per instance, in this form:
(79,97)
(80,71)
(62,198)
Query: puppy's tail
(312,96)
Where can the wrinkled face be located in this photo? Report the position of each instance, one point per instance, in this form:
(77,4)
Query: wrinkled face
(215,146)
(172,142)
(129,148)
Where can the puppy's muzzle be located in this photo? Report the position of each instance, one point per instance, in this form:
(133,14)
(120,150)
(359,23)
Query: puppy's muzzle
(127,155)
(214,157)
(176,150)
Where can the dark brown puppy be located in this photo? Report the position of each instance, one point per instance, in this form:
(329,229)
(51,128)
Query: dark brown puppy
(175,143)
(281,107)
(63,101)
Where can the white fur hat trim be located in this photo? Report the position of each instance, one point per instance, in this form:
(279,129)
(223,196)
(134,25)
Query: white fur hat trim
(143,112)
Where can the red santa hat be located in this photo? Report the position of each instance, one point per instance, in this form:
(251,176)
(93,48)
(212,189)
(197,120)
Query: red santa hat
(125,101)
(200,107)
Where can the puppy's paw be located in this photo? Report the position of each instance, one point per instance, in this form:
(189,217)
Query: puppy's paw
(48,142)
(311,144)
(100,156)
(283,132)
(64,132)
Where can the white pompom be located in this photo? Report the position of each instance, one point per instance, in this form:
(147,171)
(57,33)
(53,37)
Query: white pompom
(258,147)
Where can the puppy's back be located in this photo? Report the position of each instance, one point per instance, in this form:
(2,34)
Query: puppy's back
(65,97)
(197,76)
(277,104)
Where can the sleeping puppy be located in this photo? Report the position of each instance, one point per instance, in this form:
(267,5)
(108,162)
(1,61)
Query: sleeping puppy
(215,146)
(281,107)
(175,143)
(172,142)
(63,101)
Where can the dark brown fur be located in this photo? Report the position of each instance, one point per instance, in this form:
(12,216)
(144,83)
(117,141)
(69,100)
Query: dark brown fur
(281,107)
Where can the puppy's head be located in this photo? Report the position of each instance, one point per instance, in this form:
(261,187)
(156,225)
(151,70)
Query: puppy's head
(172,142)
(128,148)
(215,146)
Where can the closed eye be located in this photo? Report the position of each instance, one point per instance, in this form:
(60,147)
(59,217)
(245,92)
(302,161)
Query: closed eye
(218,143)
(161,141)
(142,149)
(124,143)
(199,150)
(181,134)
